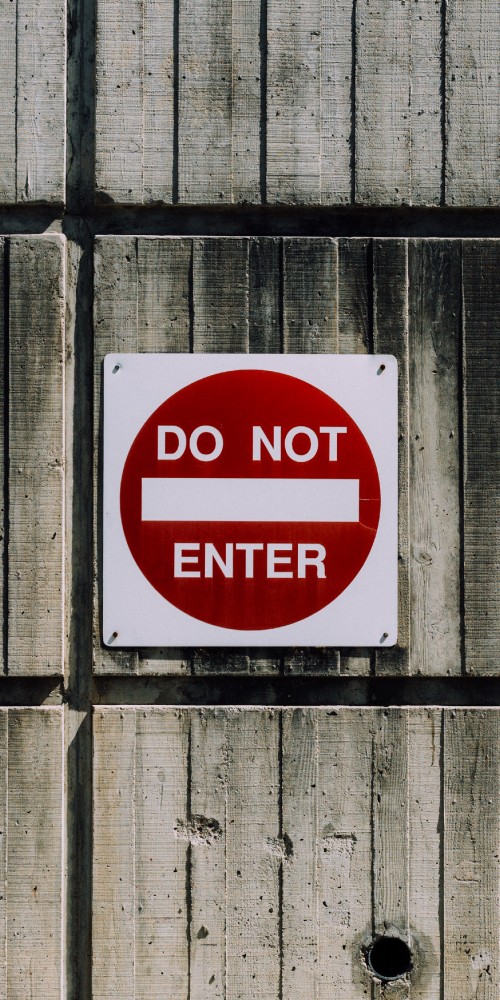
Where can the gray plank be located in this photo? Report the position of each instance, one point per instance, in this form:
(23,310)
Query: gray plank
(472,107)
(140,912)
(397,96)
(219,101)
(434,435)
(8,103)
(309,102)
(4,802)
(355,268)
(471,848)
(40,100)
(36,455)
(135,100)
(481,376)
(390,336)
(142,303)
(310,326)
(33,743)
(2,456)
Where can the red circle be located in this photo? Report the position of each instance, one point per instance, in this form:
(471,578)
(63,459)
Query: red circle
(233,402)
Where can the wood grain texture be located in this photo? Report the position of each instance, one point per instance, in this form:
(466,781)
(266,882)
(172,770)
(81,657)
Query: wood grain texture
(256,852)
(142,303)
(390,336)
(32,100)
(135,101)
(481,377)
(397,45)
(219,101)
(434,352)
(309,102)
(472,109)
(31,853)
(3,460)
(471,851)
(41,100)
(36,456)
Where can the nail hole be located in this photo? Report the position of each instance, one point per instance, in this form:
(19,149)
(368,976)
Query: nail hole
(381,369)
(112,638)
(116,369)
(389,958)
(384,636)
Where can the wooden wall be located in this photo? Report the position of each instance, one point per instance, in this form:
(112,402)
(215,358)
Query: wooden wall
(168,830)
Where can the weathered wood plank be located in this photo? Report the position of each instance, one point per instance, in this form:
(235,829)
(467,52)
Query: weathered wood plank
(309,102)
(472,107)
(434,434)
(4,819)
(310,326)
(471,952)
(38,67)
(219,101)
(208,832)
(253,854)
(114,902)
(135,101)
(264,295)
(161,954)
(425,827)
(8,22)
(390,819)
(398,79)
(390,336)
(115,329)
(34,847)
(355,267)
(36,457)
(141,841)
(3,456)
(481,376)
(327,777)
(142,303)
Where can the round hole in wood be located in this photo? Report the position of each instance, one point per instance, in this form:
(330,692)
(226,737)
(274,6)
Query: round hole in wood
(389,958)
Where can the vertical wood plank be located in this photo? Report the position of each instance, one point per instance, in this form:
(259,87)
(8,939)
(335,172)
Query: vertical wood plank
(115,329)
(434,434)
(208,817)
(355,337)
(425,830)
(398,78)
(309,102)
(481,300)
(41,100)
(8,103)
(327,763)
(390,808)
(472,110)
(471,848)
(264,295)
(4,801)
(135,100)
(119,112)
(36,459)
(219,101)
(161,959)
(114,902)
(254,855)
(310,326)
(3,456)
(142,304)
(390,336)
(34,854)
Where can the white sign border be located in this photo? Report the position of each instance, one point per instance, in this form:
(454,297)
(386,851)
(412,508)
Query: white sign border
(365,614)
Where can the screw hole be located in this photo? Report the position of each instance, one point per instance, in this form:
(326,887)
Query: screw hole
(116,369)
(381,369)
(389,958)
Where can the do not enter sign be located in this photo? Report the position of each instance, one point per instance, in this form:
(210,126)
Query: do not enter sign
(250,501)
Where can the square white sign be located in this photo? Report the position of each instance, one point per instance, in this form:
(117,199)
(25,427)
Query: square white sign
(250,500)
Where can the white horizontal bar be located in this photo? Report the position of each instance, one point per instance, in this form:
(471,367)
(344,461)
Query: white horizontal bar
(250,500)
